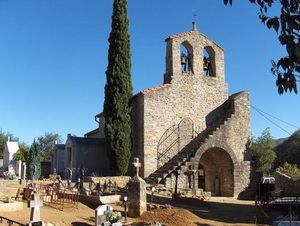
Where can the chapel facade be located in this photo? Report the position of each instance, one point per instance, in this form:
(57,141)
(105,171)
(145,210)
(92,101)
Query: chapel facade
(188,132)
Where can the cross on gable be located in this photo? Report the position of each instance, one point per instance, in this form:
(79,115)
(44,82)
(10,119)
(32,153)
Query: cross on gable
(137,165)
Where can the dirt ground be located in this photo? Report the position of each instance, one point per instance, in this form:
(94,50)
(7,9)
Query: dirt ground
(184,211)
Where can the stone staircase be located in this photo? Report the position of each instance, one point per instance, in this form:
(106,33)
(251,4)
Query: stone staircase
(184,159)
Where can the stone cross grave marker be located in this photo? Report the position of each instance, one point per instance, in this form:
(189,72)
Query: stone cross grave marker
(102,215)
(137,165)
(35,217)
(24,171)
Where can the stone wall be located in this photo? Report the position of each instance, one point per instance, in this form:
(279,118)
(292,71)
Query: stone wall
(233,137)
(192,95)
(191,98)
(120,180)
(184,95)
(195,43)
(87,153)
(137,130)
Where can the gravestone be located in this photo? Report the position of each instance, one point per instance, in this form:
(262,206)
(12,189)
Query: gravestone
(24,171)
(102,215)
(136,163)
(19,169)
(110,199)
(35,217)
(137,202)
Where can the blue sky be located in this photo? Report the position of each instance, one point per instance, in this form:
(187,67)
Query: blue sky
(53,57)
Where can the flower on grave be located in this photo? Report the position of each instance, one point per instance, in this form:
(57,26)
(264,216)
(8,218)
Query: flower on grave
(8,175)
(115,217)
(7,199)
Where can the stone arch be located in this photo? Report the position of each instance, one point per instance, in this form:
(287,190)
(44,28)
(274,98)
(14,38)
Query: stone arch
(186,57)
(209,61)
(221,157)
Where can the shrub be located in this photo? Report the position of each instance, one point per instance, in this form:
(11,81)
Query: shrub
(291,170)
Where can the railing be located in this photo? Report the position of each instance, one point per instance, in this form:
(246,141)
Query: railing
(172,138)
(9,222)
(214,120)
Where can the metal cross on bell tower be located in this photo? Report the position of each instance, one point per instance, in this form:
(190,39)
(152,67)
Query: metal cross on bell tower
(194,20)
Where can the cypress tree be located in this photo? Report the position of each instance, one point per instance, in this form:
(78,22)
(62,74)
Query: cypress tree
(33,160)
(118,91)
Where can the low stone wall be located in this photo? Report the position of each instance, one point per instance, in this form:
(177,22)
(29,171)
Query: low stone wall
(120,180)
(11,207)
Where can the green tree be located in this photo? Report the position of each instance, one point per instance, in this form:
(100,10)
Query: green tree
(22,153)
(3,138)
(118,91)
(289,151)
(46,144)
(263,152)
(34,161)
(287,25)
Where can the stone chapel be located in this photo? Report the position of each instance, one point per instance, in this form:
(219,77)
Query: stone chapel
(188,132)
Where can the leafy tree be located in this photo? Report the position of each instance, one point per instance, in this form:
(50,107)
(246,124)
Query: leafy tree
(263,152)
(3,138)
(22,153)
(46,144)
(287,25)
(118,91)
(34,160)
(289,150)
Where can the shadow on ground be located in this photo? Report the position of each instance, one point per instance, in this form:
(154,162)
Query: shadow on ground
(80,224)
(218,211)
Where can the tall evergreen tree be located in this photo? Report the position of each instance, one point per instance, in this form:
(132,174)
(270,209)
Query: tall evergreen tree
(33,161)
(118,91)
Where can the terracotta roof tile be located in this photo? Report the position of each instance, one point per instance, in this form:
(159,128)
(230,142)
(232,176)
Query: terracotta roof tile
(150,90)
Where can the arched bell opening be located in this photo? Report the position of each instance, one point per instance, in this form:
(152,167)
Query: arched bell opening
(209,64)
(186,57)
(215,173)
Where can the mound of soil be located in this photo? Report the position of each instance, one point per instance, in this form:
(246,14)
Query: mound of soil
(172,217)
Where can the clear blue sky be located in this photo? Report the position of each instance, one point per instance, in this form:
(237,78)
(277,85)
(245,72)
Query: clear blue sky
(53,57)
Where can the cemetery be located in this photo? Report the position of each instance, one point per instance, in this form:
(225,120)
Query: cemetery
(184,160)
(111,201)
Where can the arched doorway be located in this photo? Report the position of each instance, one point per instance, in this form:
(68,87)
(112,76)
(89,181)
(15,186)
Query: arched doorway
(216,169)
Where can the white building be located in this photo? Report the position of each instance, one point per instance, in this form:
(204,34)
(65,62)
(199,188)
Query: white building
(11,147)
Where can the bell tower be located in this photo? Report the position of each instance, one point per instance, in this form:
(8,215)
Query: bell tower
(194,55)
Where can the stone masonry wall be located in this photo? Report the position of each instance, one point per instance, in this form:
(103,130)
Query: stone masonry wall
(195,42)
(183,95)
(233,137)
(190,98)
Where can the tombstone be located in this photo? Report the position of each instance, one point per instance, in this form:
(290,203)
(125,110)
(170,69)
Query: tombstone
(137,202)
(69,176)
(24,171)
(102,215)
(35,203)
(19,169)
(136,163)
